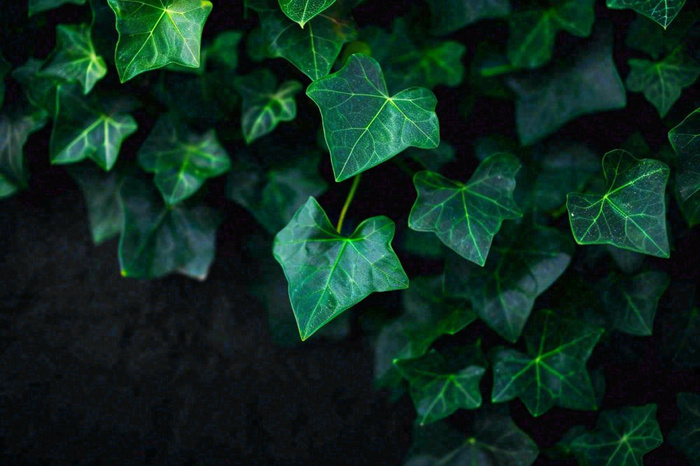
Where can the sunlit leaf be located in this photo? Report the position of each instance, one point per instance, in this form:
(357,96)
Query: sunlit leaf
(661,11)
(685,436)
(39,6)
(302,11)
(15,128)
(685,139)
(451,15)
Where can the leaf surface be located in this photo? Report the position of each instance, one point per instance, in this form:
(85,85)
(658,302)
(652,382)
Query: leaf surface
(303,11)
(15,128)
(661,11)
(40,90)
(685,139)
(449,16)
(631,301)
(685,436)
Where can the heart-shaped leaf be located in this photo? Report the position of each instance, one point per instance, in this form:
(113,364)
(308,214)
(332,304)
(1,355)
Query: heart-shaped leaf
(685,139)
(631,214)
(364,125)
(15,128)
(685,436)
(38,6)
(449,16)
(663,12)
(303,11)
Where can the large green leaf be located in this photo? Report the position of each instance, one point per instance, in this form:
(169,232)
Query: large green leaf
(685,436)
(15,128)
(621,437)
(38,6)
(661,11)
(329,273)
(523,263)
(532,32)
(88,127)
(451,15)
(631,213)
(363,124)
(303,11)
(155,33)
(181,160)
(553,372)
(585,82)
(265,105)
(158,239)
(466,216)
(75,58)
(685,139)
(662,81)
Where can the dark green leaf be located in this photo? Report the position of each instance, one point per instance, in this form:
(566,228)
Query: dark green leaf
(631,214)
(685,139)
(224,50)
(302,11)
(422,244)
(466,216)
(15,128)
(627,261)
(663,12)
(680,328)
(685,436)
(646,36)
(363,124)
(631,301)
(329,273)
(40,90)
(38,6)
(451,15)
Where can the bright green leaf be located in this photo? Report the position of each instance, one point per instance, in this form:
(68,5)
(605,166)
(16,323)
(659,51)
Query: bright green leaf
(631,214)
(365,126)
(685,139)
(466,216)
(449,16)
(181,160)
(685,436)
(661,11)
(302,11)
(631,301)
(15,128)
(38,6)
(155,33)
(329,273)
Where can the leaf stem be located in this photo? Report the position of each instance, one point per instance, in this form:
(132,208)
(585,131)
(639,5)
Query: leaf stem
(351,194)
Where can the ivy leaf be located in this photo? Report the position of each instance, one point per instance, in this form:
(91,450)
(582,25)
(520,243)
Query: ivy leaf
(631,214)
(532,32)
(329,273)
(663,12)
(466,216)
(263,106)
(621,437)
(75,59)
(449,16)
(523,263)
(365,126)
(631,301)
(685,139)
(662,81)
(685,436)
(224,50)
(39,90)
(39,6)
(85,127)
(156,33)
(158,239)
(15,129)
(181,160)
(302,11)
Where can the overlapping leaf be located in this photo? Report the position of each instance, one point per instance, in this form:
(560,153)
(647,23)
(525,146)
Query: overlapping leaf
(155,33)
(661,11)
(685,139)
(181,160)
(39,6)
(303,11)
(631,214)
(329,273)
(466,216)
(452,15)
(363,124)
(15,128)
(631,301)
(685,436)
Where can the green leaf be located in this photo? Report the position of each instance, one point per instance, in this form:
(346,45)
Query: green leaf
(679,334)
(523,263)
(437,391)
(627,261)
(87,127)
(685,435)
(449,16)
(621,437)
(181,160)
(75,59)
(662,81)
(532,32)
(646,36)
(15,128)
(40,90)
(158,239)
(583,83)
(329,273)
(466,216)
(663,12)
(224,50)
(263,106)
(553,372)
(685,139)
(365,126)
(156,33)
(631,301)
(39,6)
(302,11)
(631,214)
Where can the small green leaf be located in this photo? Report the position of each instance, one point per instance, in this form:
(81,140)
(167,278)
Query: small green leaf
(224,50)
(86,127)
(685,436)
(631,214)
(39,6)
(365,126)
(685,139)
(15,128)
(155,33)
(621,437)
(40,90)
(662,81)
(158,239)
(553,372)
(663,12)
(181,160)
(631,301)
(75,59)
(449,16)
(263,106)
(466,216)
(302,11)
(329,273)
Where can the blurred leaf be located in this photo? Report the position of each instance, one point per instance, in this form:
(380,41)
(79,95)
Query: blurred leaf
(15,129)
(449,16)
(685,436)
(685,139)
